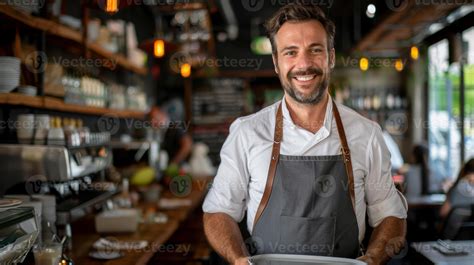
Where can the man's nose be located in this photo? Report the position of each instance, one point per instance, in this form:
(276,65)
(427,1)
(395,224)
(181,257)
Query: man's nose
(304,61)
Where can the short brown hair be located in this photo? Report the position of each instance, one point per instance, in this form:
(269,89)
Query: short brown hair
(299,12)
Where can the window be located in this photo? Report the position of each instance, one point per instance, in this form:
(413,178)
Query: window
(468,44)
(444,110)
(444,114)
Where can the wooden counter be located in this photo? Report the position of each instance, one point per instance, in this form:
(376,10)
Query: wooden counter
(84,234)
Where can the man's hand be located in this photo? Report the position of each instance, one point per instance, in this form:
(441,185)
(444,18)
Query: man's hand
(387,240)
(369,260)
(242,261)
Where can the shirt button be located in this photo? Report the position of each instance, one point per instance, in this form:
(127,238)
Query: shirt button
(293,127)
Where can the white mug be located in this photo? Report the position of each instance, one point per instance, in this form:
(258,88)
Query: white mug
(25,127)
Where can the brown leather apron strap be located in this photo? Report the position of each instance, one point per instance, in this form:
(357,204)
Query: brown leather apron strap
(276,156)
(346,152)
(273,164)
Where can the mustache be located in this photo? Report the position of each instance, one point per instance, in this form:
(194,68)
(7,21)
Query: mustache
(309,71)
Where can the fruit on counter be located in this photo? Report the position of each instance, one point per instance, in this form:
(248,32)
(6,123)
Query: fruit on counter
(172,170)
(143,176)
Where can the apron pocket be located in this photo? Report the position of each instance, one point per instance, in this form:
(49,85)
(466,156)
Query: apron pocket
(306,236)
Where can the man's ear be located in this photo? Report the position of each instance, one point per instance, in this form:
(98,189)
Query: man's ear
(332,58)
(275,62)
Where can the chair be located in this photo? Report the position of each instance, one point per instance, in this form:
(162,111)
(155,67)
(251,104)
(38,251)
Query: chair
(459,224)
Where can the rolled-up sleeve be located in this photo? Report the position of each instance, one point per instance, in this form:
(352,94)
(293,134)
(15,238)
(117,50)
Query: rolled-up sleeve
(229,190)
(383,199)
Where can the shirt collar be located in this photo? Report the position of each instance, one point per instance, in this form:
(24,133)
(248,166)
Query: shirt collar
(327,118)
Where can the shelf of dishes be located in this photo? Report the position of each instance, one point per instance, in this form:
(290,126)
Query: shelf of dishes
(101,40)
(81,89)
(76,87)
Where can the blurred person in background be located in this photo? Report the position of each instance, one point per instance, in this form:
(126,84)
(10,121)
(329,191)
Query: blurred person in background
(461,193)
(174,138)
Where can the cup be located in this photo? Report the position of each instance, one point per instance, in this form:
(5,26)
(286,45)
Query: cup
(42,128)
(25,128)
(47,253)
(152,194)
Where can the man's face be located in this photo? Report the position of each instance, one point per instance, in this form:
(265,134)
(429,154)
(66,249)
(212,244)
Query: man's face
(302,60)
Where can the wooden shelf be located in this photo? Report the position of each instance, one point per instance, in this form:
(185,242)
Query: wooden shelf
(65,32)
(50,103)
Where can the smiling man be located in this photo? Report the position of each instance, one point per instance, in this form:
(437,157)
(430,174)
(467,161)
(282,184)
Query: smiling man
(305,170)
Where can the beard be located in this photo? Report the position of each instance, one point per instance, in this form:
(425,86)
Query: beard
(318,91)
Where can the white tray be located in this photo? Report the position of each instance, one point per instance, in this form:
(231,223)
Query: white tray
(284,259)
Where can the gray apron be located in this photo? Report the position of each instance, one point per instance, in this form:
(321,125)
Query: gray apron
(308,204)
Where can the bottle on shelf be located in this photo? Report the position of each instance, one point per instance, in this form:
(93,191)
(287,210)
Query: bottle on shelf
(56,133)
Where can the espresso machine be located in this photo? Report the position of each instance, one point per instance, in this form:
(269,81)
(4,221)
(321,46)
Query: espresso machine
(70,175)
(18,232)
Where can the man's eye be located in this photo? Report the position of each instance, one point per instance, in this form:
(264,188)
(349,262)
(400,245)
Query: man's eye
(290,53)
(317,50)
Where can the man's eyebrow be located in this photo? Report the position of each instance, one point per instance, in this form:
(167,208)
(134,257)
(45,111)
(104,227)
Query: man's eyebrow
(316,44)
(293,47)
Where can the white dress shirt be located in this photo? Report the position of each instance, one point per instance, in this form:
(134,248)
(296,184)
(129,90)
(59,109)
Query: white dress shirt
(245,159)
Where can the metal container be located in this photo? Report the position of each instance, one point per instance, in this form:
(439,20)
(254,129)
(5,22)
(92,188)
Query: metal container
(285,259)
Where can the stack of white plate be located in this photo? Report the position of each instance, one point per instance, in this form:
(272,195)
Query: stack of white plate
(27,6)
(9,73)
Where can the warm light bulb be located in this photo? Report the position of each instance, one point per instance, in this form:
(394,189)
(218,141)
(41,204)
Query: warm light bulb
(112,6)
(399,65)
(185,70)
(159,48)
(364,64)
(414,53)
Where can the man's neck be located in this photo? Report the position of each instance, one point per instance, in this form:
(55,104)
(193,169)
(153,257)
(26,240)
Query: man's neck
(307,116)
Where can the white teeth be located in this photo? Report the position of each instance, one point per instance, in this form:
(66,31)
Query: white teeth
(304,78)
